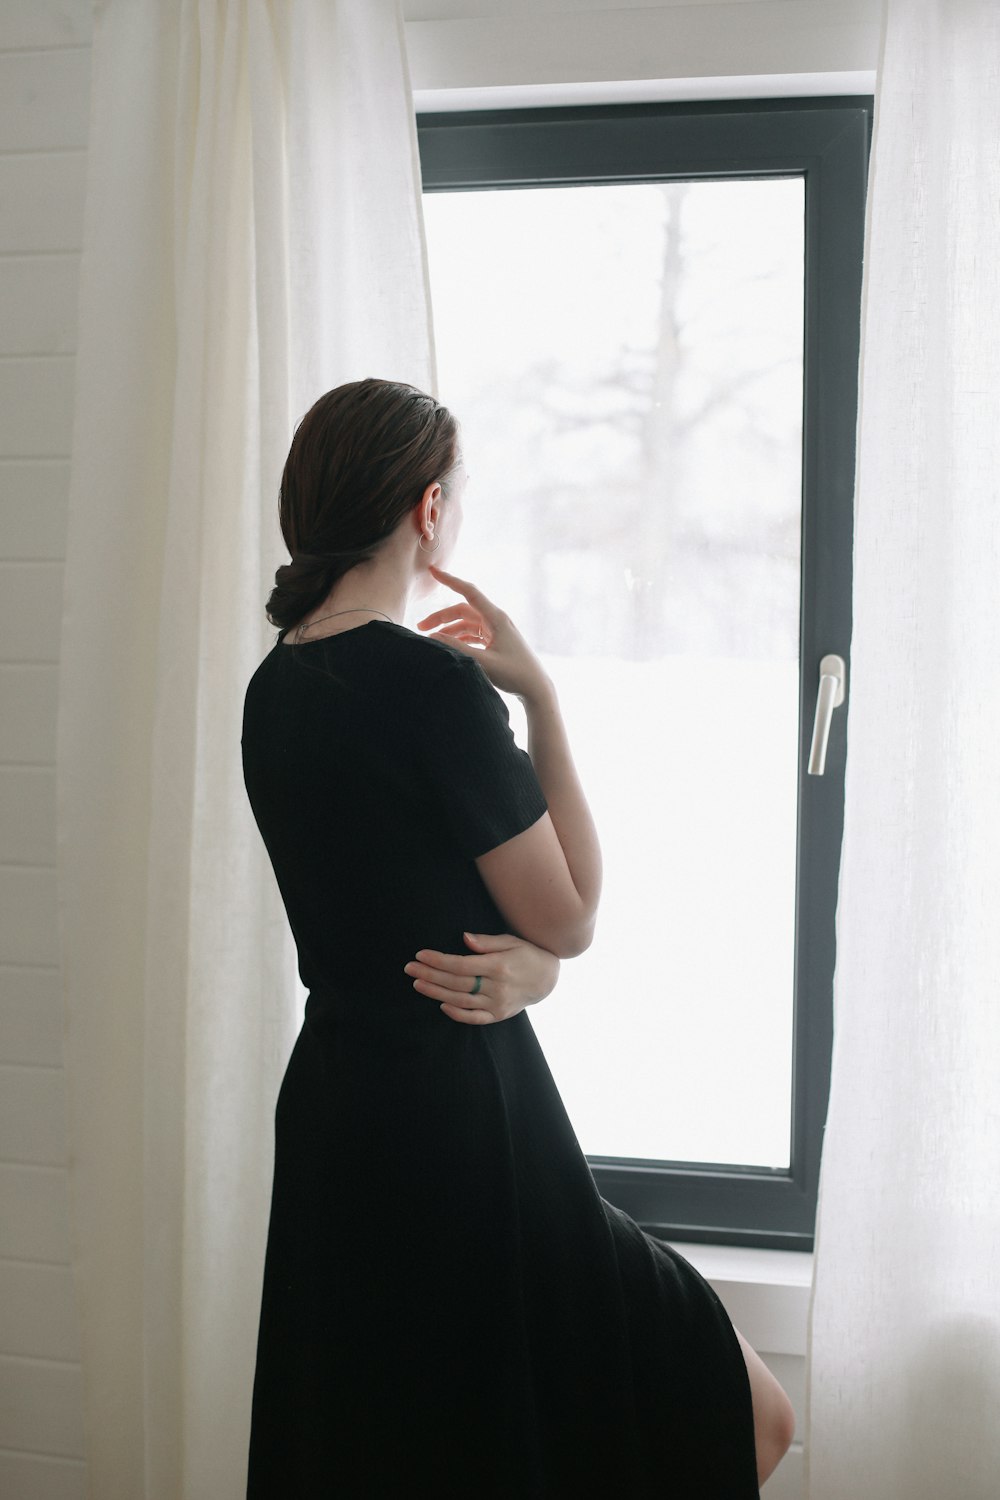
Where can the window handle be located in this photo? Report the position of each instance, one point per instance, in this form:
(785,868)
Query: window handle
(832,672)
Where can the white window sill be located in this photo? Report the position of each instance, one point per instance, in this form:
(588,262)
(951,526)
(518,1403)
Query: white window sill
(765,1292)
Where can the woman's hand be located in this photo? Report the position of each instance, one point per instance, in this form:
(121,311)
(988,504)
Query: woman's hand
(500,648)
(514,974)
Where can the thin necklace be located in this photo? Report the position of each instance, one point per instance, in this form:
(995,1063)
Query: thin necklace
(358,610)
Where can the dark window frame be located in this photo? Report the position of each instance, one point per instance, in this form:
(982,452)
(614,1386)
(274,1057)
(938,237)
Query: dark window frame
(827,141)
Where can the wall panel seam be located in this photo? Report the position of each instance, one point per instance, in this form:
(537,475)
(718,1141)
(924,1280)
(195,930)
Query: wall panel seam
(40,1359)
(23,1260)
(55,47)
(19,151)
(52,1458)
(36,1261)
(37,1166)
(14,1161)
(32,1067)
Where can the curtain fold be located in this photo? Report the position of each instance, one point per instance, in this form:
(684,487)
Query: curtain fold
(904,1357)
(252,237)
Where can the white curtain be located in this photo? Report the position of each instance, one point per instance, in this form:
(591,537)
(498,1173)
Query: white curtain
(904,1362)
(252,238)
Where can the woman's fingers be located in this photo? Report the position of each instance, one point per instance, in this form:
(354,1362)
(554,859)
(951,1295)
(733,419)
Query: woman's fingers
(464,586)
(457,623)
(455,986)
(452,993)
(458,632)
(482,607)
(501,966)
(449,980)
(469,1017)
(450,963)
(473,1009)
(440,616)
(504,654)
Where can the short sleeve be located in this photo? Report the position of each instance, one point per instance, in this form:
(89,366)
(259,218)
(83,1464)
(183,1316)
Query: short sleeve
(483,781)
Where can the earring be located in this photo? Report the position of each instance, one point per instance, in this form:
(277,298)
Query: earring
(420,544)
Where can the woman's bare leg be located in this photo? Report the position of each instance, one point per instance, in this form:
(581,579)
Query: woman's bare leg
(773,1414)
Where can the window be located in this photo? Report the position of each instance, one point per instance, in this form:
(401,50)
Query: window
(647,322)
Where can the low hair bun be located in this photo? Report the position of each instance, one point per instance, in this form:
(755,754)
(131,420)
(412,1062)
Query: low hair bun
(304,582)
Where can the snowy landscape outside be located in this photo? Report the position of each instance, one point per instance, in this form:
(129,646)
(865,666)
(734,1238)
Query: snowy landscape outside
(625,362)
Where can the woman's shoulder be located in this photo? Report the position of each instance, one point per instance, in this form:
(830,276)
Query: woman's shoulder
(429,654)
(378,635)
(378,651)
(438,674)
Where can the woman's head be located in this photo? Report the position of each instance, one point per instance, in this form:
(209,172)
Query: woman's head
(360,461)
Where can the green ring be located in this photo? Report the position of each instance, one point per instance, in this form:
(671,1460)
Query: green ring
(477,986)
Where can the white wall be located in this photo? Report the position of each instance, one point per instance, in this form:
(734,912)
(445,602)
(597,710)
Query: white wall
(44,91)
(636,49)
(455,45)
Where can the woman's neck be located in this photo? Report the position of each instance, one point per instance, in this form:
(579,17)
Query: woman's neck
(379,592)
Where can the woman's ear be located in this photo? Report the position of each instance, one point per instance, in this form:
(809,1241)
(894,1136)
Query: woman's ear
(429,508)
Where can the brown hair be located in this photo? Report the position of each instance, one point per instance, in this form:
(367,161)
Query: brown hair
(360,459)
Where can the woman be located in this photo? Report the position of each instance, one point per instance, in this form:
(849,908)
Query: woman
(449,1305)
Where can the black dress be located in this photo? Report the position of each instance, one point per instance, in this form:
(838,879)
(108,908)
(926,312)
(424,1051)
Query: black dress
(450,1308)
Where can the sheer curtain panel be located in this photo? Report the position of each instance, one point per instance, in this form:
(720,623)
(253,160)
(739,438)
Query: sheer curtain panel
(904,1364)
(252,237)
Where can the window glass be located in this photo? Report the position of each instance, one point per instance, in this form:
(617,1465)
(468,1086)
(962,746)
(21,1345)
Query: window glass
(626,365)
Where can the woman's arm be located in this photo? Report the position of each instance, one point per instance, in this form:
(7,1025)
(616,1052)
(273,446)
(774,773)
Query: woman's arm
(513,974)
(548,747)
(546,880)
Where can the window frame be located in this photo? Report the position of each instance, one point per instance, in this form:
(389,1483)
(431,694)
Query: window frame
(826,140)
